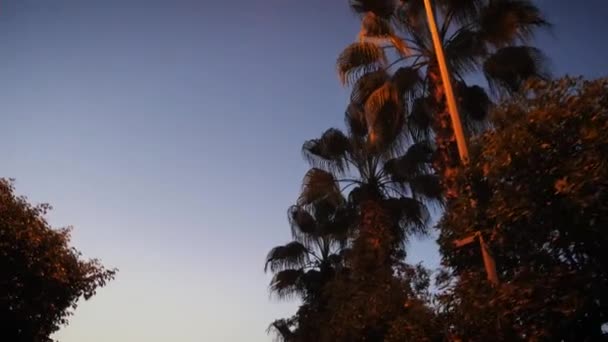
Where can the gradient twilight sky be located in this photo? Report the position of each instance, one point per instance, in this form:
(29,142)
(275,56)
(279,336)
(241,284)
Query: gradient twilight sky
(168,133)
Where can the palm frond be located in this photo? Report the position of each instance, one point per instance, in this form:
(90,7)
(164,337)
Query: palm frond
(410,17)
(428,186)
(464,11)
(328,152)
(420,118)
(340,225)
(281,329)
(385,118)
(359,58)
(287,283)
(504,22)
(464,50)
(411,215)
(319,185)
(508,68)
(303,224)
(291,255)
(373,25)
(381,8)
(406,79)
(366,85)
(354,118)
(415,161)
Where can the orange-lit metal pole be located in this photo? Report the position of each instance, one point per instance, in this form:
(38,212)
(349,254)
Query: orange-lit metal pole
(447,84)
(463,151)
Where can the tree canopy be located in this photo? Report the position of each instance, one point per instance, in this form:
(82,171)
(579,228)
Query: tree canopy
(42,277)
(537,191)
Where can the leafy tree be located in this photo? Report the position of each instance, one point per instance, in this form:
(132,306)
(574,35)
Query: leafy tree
(42,276)
(537,191)
(395,57)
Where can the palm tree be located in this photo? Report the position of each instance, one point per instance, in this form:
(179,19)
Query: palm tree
(394,57)
(362,234)
(305,265)
(388,182)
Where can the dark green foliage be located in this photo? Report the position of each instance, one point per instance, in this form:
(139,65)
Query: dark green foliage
(42,277)
(537,189)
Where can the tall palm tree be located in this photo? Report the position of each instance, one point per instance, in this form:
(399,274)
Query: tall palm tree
(387,182)
(394,57)
(305,265)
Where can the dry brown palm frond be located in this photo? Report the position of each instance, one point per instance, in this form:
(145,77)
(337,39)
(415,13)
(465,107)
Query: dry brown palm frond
(359,58)
(319,185)
(379,98)
(367,84)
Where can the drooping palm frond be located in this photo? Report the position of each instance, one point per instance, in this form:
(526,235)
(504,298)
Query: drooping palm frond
(303,224)
(411,216)
(415,161)
(428,186)
(340,226)
(410,17)
(420,118)
(319,185)
(287,283)
(366,85)
(464,50)
(508,68)
(504,22)
(385,119)
(373,25)
(359,58)
(291,255)
(378,29)
(281,329)
(406,80)
(328,152)
(387,138)
(354,117)
(463,11)
(381,8)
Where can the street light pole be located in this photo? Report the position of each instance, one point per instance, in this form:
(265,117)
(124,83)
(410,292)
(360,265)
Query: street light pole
(447,84)
(463,151)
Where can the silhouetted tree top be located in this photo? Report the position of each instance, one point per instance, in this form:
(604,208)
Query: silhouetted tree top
(42,277)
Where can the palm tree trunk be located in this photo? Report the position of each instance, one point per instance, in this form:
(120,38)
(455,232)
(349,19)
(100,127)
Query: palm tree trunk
(373,247)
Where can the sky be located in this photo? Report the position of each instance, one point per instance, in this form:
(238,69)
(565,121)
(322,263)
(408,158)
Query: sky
(168,134)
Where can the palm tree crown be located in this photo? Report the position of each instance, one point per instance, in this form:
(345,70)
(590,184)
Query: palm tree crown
(394,61)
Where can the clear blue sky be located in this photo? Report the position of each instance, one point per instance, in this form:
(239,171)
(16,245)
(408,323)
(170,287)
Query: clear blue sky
(168,133)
